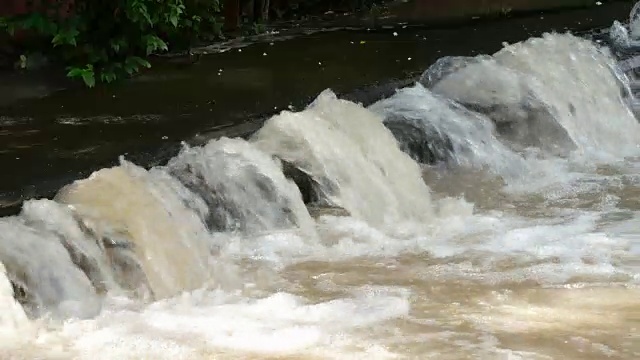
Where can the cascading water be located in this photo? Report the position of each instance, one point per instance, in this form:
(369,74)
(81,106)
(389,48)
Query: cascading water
(245,188)
(533,89)
(216,255)
(375,182)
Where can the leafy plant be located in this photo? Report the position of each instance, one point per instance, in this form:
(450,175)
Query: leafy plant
(105,40)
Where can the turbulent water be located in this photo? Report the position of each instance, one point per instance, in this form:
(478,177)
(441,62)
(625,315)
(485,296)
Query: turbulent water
(490,211)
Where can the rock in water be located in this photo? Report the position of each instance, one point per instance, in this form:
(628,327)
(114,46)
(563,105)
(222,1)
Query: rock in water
(504,95)
(445,66)
(317,211)
(419,139)
(40,267)
(309,188)
(244,188)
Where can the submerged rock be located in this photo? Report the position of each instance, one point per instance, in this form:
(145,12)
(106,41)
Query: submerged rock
(446,66)
(44,278)
(106,257)
(308,187)
(521,117)
(244,188)
(318,211)
(420,140)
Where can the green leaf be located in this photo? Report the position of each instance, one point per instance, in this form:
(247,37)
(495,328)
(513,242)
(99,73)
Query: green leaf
(74,72)
(11,29)
(132,64)
(131,68)
(66,37)
(139,61)
(173,19)
(87,74)
(154,43)
(108,76)
(89,79)
(118,44)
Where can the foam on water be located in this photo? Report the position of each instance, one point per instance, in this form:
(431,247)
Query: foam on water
(202,324)
(246,187)
(574,74)
(131,206)
(42,267)
(85,251)
(236,266)
(634,21)
(569,79)
(473,136)
(354,158)
(12,315)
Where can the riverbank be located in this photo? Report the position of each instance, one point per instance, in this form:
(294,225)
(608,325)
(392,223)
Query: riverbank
(43,78)
(58,138)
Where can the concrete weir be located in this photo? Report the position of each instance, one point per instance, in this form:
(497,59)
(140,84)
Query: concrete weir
(53,139)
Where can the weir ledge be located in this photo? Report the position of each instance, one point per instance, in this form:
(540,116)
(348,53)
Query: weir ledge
(36,172)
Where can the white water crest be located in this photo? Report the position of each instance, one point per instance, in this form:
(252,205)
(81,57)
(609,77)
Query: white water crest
(473,137)
(568,83)
(354,158)
(246,187)
(216,254)
(39,264)
(12,315)
(133,208)
(634,21)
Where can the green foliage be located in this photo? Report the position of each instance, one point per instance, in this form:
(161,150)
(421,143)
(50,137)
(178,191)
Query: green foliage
(102,41)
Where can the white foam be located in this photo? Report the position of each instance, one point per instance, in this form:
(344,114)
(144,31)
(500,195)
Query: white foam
(251,189)
(142,209)
(40,264)
(353,156)
(274,312)
(570,73)
(12,315)
(203,324)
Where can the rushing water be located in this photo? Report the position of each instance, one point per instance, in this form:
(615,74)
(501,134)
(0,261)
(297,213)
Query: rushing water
(516,238)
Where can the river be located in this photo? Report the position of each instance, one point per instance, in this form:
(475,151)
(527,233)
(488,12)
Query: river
(490,211)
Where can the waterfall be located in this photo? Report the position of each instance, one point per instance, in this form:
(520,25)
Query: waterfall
(243,211)
(354,159)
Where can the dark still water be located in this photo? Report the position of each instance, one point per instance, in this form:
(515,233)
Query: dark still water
(50,141)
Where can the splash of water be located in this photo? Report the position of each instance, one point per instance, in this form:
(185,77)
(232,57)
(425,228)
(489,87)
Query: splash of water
(230,204)
(41,267)
(354,158)
(472,135)
(12,315)
(134,208)
(577,82)
(554,91)
(634,21)
(245,188)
